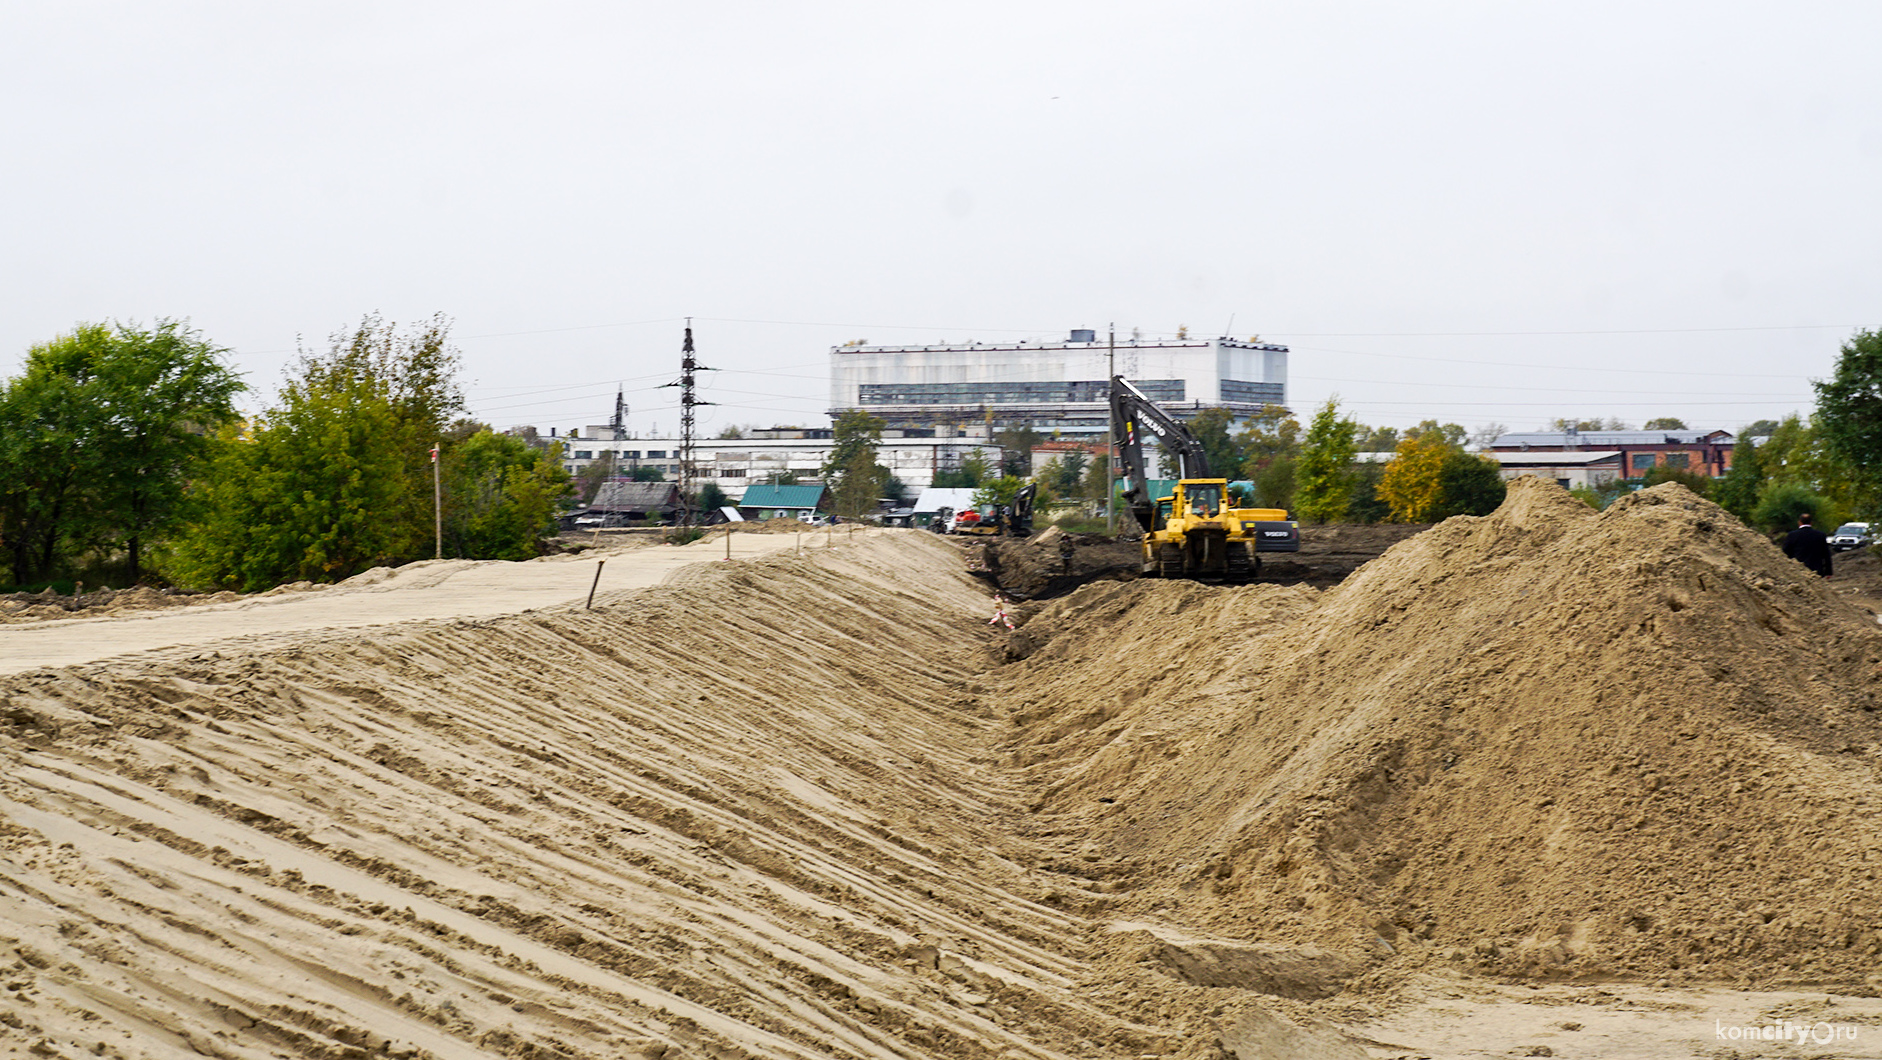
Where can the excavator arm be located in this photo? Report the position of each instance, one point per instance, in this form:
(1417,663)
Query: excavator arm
(1135,416)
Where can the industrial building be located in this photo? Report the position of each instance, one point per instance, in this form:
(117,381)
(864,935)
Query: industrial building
(1056,388)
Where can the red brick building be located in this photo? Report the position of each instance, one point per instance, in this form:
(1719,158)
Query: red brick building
(1706,453)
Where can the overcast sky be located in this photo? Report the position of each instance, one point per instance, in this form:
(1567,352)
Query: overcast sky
(1479,212)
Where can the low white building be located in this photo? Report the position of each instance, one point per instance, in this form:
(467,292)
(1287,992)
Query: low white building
(770,455)
(1570,470)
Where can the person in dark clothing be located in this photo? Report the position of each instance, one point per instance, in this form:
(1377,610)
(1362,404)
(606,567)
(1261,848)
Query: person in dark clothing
(1809,546)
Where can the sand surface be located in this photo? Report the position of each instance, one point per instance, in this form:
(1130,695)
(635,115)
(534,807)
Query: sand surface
(1543,783)
(438,589)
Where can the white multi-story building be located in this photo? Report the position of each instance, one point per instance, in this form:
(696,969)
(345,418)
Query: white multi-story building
(769,455)
(1053,387)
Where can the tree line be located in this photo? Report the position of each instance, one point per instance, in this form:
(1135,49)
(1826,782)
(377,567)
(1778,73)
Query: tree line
(123,459)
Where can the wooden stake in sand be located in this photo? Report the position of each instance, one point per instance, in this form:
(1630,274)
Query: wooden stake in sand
(600,563)
(728,546)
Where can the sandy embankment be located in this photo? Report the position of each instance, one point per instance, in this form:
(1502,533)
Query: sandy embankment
(451,589)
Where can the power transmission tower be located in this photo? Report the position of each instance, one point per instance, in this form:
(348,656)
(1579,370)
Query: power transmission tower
(687,367)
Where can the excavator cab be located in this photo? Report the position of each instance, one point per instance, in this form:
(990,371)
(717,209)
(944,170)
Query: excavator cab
(1205,499)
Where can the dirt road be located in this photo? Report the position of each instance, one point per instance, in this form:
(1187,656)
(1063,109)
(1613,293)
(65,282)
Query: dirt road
(427,591)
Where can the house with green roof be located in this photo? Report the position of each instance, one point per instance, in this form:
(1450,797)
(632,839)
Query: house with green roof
(766,501)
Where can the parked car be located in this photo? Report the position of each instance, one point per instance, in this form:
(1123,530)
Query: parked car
(1851,535)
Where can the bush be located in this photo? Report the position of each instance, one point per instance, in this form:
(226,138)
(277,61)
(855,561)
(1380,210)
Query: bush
(1692,480)
(1783,502)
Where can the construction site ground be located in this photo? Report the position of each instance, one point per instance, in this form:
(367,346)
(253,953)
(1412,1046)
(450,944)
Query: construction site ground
(1549,782)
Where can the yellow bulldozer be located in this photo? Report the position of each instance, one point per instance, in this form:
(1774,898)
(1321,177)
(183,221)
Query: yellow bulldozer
(1193,533)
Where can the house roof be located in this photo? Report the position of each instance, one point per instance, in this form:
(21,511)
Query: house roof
(1569,459)
(1608,439)
(766,495)
(635,496)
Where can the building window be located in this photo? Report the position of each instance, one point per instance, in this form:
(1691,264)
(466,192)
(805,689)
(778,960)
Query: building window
(1009,393)
(1641,461)
(1253,393)
(1679,460)
(631,454)
(656,454)
(584,454)
(732,472)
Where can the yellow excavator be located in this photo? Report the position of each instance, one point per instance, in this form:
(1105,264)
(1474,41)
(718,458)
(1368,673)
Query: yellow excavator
(1193,533)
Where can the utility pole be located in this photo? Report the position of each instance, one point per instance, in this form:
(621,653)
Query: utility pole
(688,365)
(437,504)
(1110,436)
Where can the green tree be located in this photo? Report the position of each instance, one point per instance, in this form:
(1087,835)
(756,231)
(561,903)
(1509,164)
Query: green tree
(1016,446)
(1001,490)
(501,495)
(1485,436)
(1738,491)
(1783,502)
(1098,485)
(1797,453)
(650,473)
(1211,428)
(1413,483)
(1692,480)
(98,439)
(1377,439)
(1453,434)
(1849,417)
(591,477)
(1269,435)
(1596,424)
(1072,468)
(1470,485)
(1325,470)
(975,468)
(711,498)
(1275,483)
(855,477)
(1366,506)
(1664,423)
(337,477)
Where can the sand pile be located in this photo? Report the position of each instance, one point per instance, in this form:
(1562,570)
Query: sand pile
(42,606)
(1547,742)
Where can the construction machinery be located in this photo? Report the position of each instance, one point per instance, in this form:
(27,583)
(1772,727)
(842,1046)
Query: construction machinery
(995,520)
(1193,533)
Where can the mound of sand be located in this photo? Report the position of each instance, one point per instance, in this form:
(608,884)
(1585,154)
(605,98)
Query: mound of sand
(1548,742)
(47,605)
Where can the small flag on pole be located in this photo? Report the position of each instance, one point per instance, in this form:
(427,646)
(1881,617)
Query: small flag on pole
(434,454)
